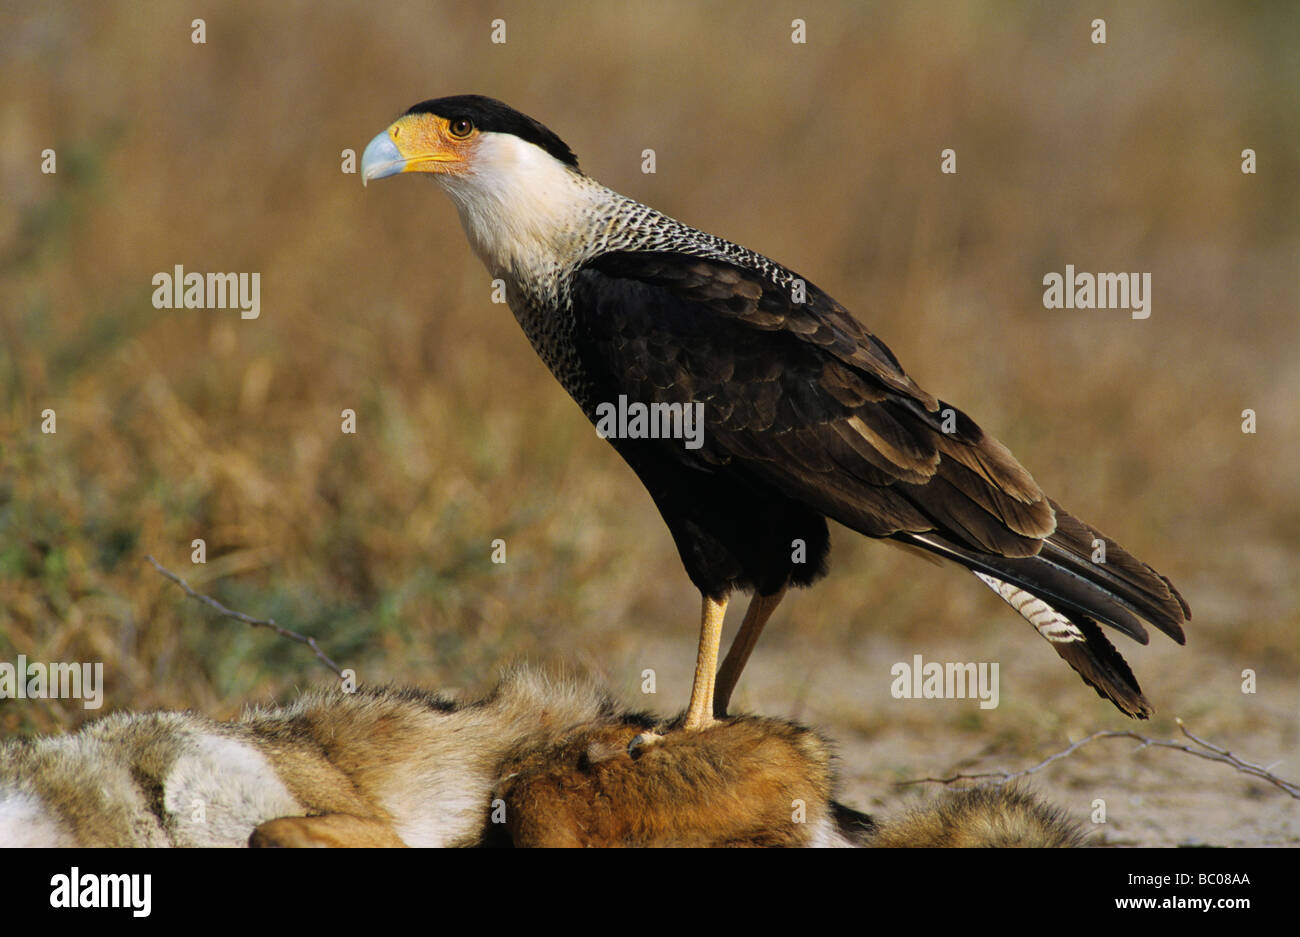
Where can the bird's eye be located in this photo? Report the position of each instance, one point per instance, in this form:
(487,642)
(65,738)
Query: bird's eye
(461,127)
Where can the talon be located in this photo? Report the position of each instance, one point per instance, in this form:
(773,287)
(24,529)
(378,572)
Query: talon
(645,740)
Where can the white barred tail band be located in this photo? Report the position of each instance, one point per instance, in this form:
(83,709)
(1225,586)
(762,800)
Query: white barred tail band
(1046,620)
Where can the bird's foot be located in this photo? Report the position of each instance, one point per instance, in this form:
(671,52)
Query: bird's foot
(647,740)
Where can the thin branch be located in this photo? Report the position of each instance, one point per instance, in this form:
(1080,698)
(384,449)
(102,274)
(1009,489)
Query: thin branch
(1207,750)
(248,619)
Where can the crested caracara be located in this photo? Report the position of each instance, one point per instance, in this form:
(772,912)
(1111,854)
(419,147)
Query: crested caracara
(806,415)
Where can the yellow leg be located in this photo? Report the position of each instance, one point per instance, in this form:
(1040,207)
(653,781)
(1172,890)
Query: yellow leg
(760,610)
(700,713)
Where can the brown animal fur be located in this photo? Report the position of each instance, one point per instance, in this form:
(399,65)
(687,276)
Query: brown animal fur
(540,761)
(333,831)
(991,817)
(742,782)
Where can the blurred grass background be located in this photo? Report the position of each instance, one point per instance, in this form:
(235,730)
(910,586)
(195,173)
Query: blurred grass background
(180,424)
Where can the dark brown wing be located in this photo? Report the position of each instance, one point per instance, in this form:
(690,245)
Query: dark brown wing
(806,398)
(802,396)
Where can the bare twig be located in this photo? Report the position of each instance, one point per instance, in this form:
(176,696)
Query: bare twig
(1207,750)
(248,619)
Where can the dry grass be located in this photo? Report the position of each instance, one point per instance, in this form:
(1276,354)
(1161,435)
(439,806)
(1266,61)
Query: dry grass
(174,425)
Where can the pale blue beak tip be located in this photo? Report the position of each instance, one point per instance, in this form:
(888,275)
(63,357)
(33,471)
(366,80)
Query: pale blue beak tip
(381,159)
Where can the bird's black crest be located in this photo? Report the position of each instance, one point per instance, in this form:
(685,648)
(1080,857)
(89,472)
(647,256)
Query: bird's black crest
(491,115)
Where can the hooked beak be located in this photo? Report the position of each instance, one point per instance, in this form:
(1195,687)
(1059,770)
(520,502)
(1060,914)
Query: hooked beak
(381,158)
(414,143)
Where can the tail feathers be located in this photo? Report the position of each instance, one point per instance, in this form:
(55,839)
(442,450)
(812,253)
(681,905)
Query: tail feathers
(1068,592)
(1104,669)
(1115,589)
(1082,645)
(1128,579)
(1079,580)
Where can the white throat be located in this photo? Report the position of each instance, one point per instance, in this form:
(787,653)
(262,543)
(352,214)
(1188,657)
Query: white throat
(523,209)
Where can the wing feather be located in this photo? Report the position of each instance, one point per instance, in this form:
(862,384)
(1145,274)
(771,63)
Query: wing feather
(804,397)
(801,397)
